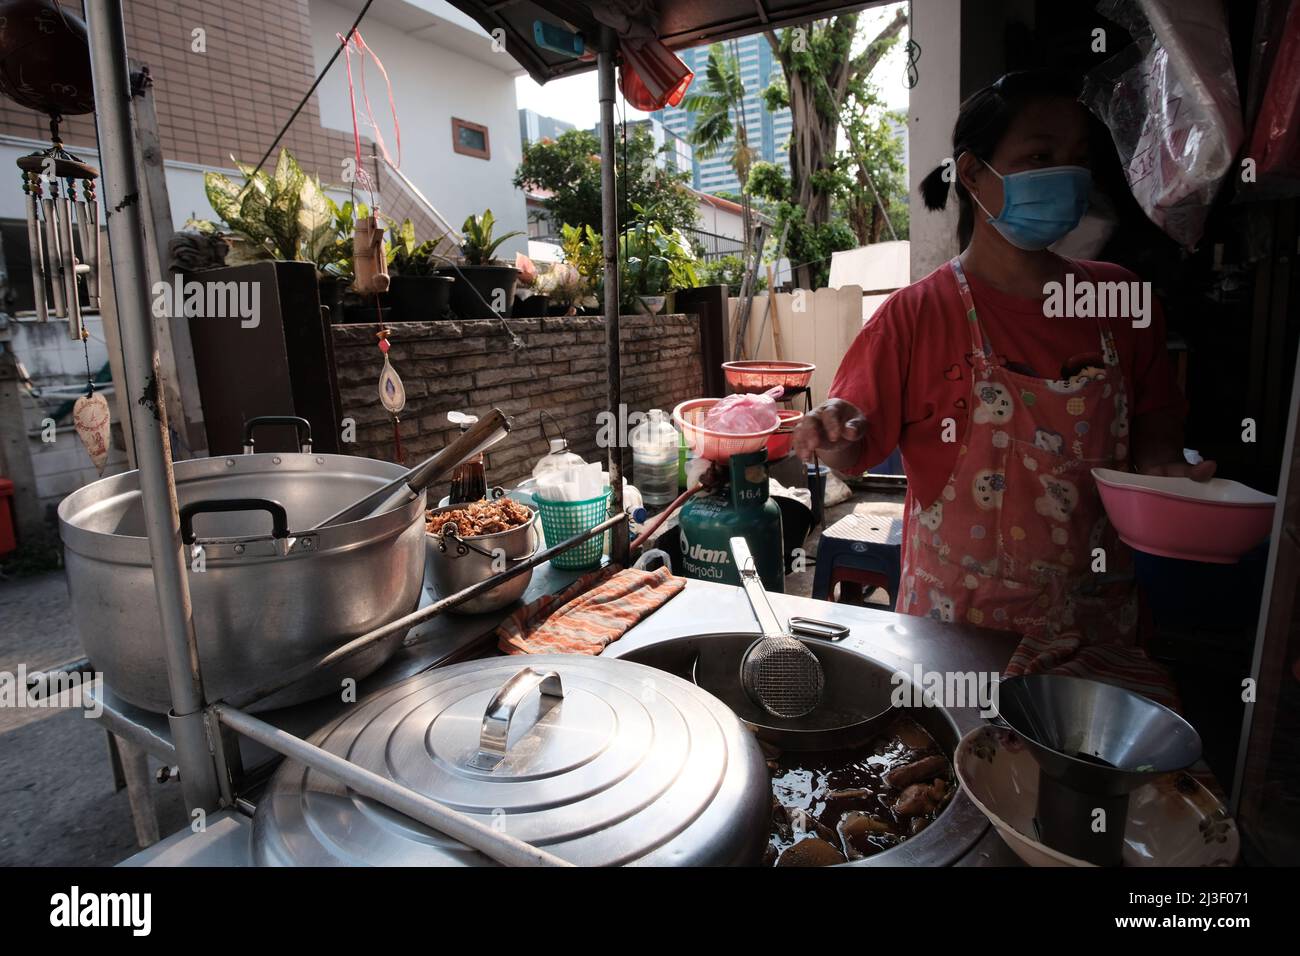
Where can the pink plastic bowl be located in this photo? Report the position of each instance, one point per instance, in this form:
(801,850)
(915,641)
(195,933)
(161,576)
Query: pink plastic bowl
(1215,521)
(715,446)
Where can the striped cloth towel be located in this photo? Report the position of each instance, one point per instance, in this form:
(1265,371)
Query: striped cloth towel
(592,612)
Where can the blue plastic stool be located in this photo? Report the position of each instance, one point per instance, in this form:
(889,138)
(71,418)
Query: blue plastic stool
(871,543)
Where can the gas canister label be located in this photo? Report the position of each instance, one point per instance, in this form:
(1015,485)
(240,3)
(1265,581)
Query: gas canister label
(702,562)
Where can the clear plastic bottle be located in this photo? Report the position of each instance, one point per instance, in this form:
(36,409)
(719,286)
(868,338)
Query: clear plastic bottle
(557,459)
(654,459)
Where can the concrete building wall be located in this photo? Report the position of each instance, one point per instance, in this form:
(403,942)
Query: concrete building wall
(932,110)
(440,71)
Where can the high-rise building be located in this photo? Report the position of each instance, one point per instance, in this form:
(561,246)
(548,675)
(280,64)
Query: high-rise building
(534,127)
(768,132)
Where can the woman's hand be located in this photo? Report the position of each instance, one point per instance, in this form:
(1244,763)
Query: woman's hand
(834,431)
(1158,447)
(1201,471)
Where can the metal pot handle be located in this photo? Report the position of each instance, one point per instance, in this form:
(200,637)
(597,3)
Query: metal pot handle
(463,546)
(279,518)
(301,425)
(495,734)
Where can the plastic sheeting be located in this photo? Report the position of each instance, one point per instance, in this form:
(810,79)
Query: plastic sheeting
(1171,104)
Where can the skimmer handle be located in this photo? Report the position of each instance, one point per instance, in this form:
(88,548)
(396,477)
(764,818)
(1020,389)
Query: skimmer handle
(754,590)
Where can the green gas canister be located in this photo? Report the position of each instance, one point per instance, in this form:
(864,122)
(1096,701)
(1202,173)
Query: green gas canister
(741,508)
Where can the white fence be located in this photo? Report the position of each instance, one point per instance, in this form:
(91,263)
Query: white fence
(816,326)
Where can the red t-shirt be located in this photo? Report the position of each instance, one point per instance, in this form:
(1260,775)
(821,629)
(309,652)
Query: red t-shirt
(908,369)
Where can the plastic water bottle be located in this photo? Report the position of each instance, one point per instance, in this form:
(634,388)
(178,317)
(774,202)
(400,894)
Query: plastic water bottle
(558,459)
(654,459)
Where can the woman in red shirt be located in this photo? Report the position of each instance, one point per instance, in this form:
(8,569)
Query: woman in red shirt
(1004,377)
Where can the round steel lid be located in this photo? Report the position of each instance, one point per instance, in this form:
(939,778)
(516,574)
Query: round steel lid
(630,765)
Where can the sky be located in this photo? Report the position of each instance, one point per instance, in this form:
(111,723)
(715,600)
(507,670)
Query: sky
(573,99)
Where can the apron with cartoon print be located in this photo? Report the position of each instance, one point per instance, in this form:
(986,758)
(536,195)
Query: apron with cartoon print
(1018,539)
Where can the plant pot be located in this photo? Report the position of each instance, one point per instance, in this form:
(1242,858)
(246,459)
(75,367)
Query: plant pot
(650,304)
(359,311)
(533,307)
(331,296)
(560,308)
(419,298)
(475,290)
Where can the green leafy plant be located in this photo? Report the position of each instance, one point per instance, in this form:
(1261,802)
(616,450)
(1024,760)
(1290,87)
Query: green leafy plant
(728,271)
(584,250)
(408,257)
(283,214)
(479,245)
(654,260)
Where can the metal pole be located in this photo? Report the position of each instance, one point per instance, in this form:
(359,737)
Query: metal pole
(618,549)
(459,826)
(121,192)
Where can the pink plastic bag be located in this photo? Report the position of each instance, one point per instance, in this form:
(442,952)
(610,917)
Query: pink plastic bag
(744,414)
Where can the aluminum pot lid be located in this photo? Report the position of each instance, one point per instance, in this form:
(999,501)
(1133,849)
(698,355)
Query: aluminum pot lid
(599,761)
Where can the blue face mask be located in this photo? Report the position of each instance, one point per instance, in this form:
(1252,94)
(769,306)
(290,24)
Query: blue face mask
(1039,206)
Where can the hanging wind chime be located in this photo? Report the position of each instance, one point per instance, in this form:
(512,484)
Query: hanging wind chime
(369,251)
(45,66)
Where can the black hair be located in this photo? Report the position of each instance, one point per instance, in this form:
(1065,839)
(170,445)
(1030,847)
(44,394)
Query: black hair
(982,120)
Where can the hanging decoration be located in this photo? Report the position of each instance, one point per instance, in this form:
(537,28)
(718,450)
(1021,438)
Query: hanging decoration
(45,66)
(369,251)
(370,256)
(392,393)
(90,414)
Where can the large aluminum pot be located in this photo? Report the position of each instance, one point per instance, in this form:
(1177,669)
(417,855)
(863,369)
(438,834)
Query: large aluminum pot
(456,563)
(263,603)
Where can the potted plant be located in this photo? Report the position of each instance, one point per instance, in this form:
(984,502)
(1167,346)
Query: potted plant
(416,292)
(283,214)
(564,289)
(653,261)
(485,287)
(581,286)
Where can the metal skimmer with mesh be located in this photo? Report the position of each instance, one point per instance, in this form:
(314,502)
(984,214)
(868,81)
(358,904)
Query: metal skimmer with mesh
(783,677)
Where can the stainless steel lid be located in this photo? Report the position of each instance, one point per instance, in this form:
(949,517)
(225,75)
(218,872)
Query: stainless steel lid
(599,761)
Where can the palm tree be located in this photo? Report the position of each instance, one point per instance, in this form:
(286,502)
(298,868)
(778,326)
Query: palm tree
(723,97)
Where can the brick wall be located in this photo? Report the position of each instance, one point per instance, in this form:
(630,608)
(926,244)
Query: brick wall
(231,98)
(470,366)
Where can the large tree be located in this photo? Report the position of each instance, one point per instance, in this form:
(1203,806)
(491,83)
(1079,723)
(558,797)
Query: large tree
(821,74)
(719,108)
(568,169)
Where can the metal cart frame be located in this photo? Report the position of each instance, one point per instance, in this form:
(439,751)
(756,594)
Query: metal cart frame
(202,731)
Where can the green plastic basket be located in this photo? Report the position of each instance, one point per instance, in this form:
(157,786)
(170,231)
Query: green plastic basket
(561,520)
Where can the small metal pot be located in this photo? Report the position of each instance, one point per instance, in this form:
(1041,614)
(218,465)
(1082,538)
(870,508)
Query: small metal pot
(454,563)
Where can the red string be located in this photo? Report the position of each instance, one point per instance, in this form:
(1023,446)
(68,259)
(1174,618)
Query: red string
(392,106)
(352,101)
(356,40)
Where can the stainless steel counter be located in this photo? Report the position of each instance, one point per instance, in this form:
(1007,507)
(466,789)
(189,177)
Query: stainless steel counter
(701,608)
